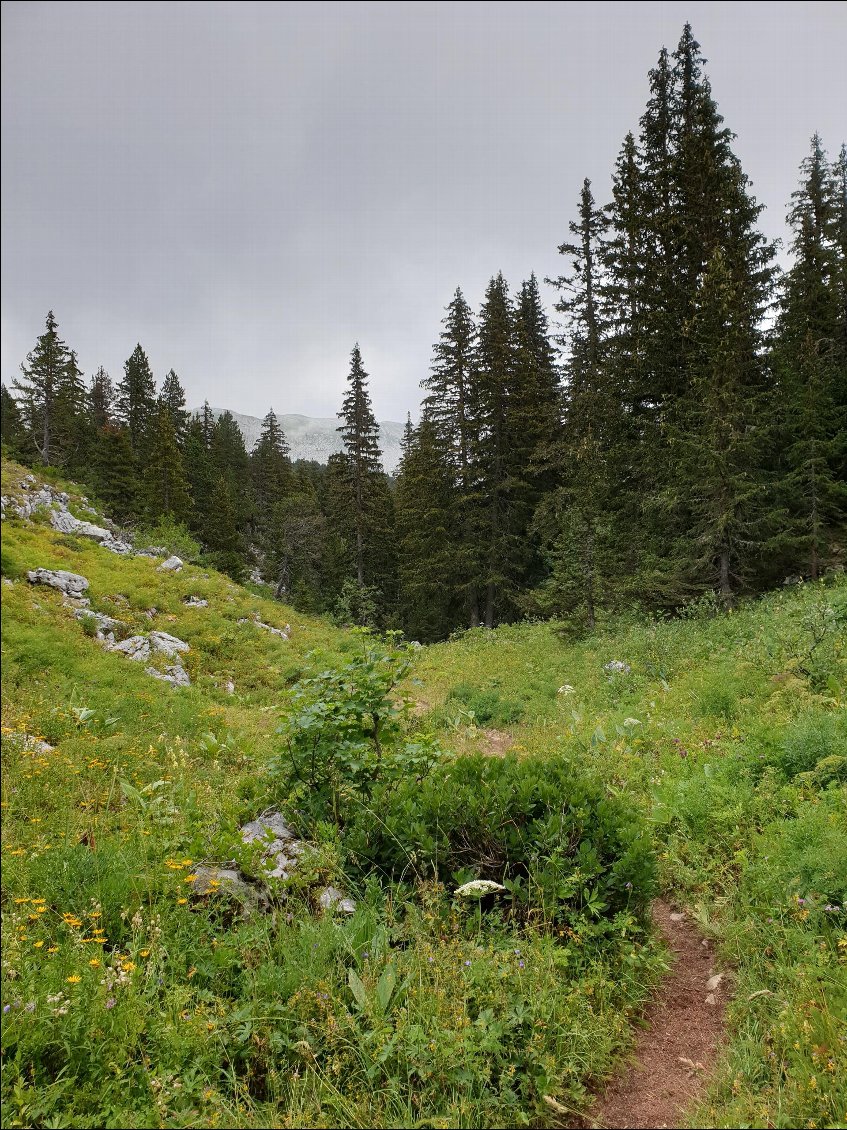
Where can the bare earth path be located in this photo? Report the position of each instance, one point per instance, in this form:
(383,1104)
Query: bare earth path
(676,1053)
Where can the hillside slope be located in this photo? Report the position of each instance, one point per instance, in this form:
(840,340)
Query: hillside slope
(131,999)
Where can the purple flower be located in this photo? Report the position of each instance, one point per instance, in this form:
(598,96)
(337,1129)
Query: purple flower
(6,1007)
(628,886)
(110,1003)
(802,902)
(520,965)
(467,963)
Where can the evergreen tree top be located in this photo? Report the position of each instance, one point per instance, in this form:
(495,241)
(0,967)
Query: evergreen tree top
(359,429)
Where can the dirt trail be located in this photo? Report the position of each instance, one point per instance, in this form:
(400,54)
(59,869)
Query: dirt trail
(676,1053)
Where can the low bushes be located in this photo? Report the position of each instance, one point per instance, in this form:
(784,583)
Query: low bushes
(545,830)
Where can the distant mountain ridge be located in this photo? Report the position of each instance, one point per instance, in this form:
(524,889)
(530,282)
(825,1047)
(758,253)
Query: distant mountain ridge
(316,437)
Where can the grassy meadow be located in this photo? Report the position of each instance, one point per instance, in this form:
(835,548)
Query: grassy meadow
(712,768)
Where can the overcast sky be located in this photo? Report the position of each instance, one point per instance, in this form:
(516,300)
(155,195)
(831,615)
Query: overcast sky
(248,189)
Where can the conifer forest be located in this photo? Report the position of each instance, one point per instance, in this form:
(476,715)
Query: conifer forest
(676,427)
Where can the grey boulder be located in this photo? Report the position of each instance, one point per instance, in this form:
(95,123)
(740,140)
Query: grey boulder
(71,584)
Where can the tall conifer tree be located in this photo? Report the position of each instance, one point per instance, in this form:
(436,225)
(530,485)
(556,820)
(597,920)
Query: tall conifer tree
(362,466)
(135,401)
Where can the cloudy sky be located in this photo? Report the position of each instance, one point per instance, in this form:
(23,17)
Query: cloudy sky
(247,189)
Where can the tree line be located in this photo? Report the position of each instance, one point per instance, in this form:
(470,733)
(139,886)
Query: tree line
(681,430)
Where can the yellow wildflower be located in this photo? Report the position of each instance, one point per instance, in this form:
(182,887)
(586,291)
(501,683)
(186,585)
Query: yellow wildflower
(74,979)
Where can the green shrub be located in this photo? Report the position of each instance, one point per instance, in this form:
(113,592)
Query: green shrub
(174,536)
(9,567)
(544,829)
(343,736)
(486,706)
(808,740)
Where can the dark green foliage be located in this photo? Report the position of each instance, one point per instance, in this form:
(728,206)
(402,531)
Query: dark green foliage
(10,423)
(448,408)
(101,399)
(810,360)
(165,483)
(544,829)
(426,499)
(51,399)
(496,514)
(230,461)
(359,470)
(172,398)
(135,400)
(487,706)
(577,518)
(113,472)
(222,535)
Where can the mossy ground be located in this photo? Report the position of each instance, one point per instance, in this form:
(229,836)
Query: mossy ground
(130,1003)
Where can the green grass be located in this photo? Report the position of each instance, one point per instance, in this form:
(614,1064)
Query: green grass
(130,1003)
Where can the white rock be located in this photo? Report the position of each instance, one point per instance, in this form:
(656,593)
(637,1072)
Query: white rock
(617,666)
(72,584)
(676,917)
(104,623)
(172,565)
(269,824)
(36,745)
(711,999)
(195,602)
(229,686)
(116,545)
(66,523)
(170,645)
(175,674)
(713,982)
(283,632)
(332,899)
(136,647)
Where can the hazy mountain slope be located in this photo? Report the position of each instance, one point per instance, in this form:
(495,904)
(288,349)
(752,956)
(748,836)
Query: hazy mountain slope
(317,438)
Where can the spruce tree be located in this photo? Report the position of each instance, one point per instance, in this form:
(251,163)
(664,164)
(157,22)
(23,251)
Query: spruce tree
(271,466)
(362,467)
(40,400)
(425,502)
(535,406)
(448,406)
(114,473)
(207,423)
(811,368)
(716,439)
(200,473)
(135,401)
(577,519)
(12,432)
(223,536)
(101,398)
(172,396)
(230,460)
(493,521)
(165,482)
(74,429)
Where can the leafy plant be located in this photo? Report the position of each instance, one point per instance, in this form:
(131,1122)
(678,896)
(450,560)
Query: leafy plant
(342,736)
